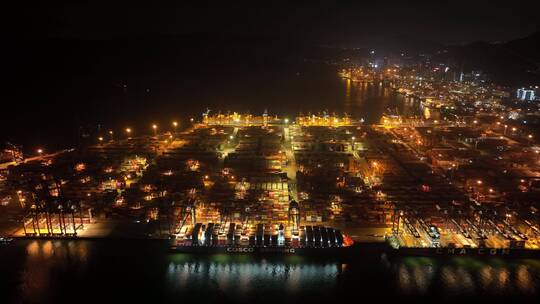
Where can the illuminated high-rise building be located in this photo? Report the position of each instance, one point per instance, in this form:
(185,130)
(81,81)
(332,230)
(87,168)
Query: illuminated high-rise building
(525,94)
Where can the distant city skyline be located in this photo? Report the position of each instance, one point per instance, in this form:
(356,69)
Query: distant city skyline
(269,151)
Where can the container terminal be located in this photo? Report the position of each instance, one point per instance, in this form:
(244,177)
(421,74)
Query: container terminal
(481,232)
(243,183)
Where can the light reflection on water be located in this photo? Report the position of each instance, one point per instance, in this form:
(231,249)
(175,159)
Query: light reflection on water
(245,275)
(371,100)
(41,270)
(43,259)
(467,276)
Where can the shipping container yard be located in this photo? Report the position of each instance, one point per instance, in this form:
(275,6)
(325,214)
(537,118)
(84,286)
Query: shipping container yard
(242,181)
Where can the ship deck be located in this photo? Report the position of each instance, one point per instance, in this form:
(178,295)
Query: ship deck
(229,234)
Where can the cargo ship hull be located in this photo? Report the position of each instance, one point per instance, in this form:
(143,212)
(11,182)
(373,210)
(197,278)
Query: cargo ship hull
(233,238)
(256,250)
(469,252)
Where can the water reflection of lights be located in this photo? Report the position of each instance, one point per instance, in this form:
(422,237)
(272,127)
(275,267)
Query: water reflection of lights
(47,249)
(248,276)
(42,259)
(524,279)
(466,282)
(502,279)
(448,276)
(415,279)
(468,276)
(43,250)
(404,279)
(32,248)
(348,92)
(486,275)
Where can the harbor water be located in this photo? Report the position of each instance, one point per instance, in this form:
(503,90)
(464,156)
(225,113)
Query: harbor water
(133,271)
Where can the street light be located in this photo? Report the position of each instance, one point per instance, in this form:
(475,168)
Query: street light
(154,127)
(100,139)
(286,120)
(111,134)
(40,151)
(175,125)
(128,131)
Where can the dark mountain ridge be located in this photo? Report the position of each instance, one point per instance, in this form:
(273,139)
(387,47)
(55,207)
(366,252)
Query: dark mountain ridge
(512,63)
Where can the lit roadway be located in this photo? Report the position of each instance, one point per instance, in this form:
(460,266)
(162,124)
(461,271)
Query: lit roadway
(362,162)
(228,149)
(34,158)
(291,164)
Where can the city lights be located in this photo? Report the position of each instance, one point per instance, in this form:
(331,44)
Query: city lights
(310,152)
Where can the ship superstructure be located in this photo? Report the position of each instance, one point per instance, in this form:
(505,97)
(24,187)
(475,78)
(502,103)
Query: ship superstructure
(251,237)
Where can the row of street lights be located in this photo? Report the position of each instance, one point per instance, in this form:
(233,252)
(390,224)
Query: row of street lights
(514,129)
(129,131)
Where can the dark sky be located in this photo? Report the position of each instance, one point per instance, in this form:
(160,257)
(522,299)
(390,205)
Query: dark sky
(322,21)
(49,82)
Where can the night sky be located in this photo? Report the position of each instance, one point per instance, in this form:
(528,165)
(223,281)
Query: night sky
(324,21)
(67,61)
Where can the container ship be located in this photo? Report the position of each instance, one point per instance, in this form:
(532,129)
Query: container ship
(514,249)
(235,238)
(254,237)
(477,235)
(464,251)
